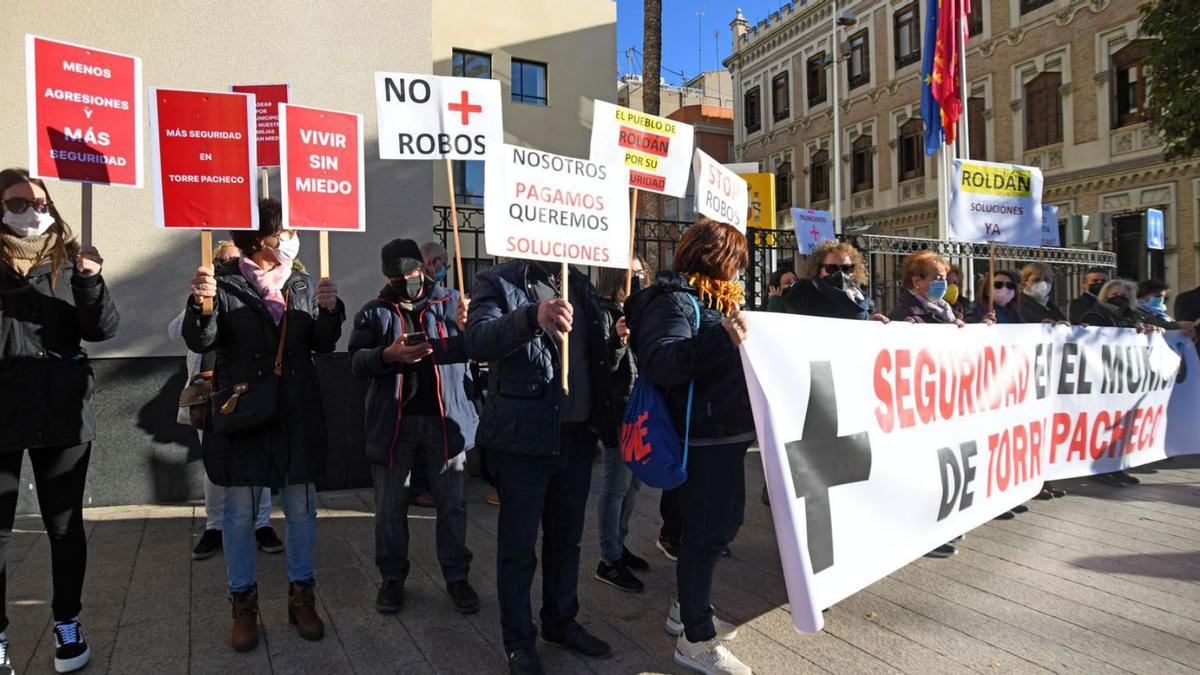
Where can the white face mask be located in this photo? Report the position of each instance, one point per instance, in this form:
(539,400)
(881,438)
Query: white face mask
(287,251)
(1040,290)
(28,223)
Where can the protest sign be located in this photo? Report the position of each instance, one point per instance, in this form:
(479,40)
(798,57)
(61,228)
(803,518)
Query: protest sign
(541,206)
(203,160)
(1050,225)
(434,117)
(995,202)
(893,439)
(267,98)
(656,151)
(85,113)
(720,193)
(1155,231)
(812,228)
(762,199)
(322,170)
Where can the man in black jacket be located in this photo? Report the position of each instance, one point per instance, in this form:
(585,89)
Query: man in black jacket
(544,441)
(1090,288)
(1187,305)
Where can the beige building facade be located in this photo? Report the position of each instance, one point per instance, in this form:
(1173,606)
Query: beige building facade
(1057,84)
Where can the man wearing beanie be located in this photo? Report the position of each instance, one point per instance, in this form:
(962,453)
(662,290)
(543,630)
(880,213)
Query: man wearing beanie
(409,344)
(544,442)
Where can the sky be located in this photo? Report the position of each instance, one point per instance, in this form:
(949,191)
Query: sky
(684,31)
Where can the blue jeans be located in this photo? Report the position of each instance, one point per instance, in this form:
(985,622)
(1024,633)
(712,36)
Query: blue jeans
(618,492)
(300,514)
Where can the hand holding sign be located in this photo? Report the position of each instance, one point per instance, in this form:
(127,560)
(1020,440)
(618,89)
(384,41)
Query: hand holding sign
(204,284)
(735,325)
(460,315)
(89,262)
(555,317)
(327,295)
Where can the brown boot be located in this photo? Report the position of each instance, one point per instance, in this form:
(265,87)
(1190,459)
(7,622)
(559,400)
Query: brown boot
(302,611)
(244,636)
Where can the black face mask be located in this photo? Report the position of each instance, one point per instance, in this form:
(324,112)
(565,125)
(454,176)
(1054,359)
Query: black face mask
(839,280)
(1094,289)
(1120,302)
(635,285)
(409,289)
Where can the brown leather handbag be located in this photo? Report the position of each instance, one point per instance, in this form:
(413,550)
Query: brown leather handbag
(199,391)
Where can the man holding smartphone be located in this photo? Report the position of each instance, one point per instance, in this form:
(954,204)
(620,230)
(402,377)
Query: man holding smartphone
(409,344)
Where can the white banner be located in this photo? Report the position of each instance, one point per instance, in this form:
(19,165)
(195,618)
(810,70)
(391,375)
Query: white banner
(812,228)
(720,193)
(893,439)
(996,202)
(542,206)
(656,151)
(433,117)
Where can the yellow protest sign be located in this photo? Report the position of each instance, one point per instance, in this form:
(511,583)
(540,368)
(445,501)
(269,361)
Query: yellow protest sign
(762,200)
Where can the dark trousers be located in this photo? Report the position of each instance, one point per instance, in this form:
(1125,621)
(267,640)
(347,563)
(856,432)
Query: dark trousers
(421,436)
(712,503)
(668,508)
(551,492)
(59,474)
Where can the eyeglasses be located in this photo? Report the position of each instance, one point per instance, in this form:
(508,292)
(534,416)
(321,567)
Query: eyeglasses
(834,269)
(1004,284)
(19,204)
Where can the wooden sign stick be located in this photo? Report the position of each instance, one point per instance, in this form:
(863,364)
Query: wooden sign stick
(566,344)
(632,238)
(992,274)
(324,246)
(206,305)
(458,272)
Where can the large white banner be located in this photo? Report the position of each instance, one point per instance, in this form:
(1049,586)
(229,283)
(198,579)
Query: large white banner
(996,202)
(893,439)
(720,193)
(655,151)
(542,206)
(433,117)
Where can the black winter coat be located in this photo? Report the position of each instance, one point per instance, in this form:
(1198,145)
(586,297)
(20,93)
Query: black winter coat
(813,297)
(1080,306)
(245,337)
(46,382)
(623,364)
(1032,311)
(525,399)
(673,354)
(1187,306)
(1100,316)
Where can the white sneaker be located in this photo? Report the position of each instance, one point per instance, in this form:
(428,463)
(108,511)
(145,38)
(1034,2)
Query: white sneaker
(725,630)
(5,662)
(710,658)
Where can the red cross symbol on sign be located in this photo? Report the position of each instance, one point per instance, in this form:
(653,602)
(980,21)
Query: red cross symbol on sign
(464,107)
(815,233)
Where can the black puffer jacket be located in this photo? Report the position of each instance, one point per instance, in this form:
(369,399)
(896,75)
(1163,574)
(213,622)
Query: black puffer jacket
(522,408)
(46,381)
(1103,315)
(1032,311)
(623,363)
(241,329)
(672,354)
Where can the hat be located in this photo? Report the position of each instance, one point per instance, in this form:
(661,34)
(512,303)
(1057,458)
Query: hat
(400,257)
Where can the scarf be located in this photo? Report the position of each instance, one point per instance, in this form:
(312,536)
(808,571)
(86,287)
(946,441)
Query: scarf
(939,308)
(723,296)
(29,252)
(268,284)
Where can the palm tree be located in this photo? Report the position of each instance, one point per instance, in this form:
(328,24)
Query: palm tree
(651,74)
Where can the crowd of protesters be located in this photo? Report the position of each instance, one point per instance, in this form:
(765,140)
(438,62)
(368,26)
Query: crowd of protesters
(254,320)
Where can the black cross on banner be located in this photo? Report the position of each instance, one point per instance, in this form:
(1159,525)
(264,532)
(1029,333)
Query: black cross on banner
(821,459)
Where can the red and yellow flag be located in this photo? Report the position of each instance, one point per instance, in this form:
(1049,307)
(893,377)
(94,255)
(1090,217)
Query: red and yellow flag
(946,55)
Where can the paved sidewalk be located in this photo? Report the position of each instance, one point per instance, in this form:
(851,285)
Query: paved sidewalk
(1103,581)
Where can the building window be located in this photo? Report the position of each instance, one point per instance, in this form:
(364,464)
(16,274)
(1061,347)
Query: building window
(783,186)
(907,35)
(529,82)
(1043,111)
(472,64)
(860,165)
(1028,6)
(752,111)
(975,19)
(781,105)
(912,149)
(468,182)
(978,125)
(815,70)
(858,66)
(1129,85)
(818,177)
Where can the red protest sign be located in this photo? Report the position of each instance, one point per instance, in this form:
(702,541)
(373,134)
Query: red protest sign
(267,98)
(85,113)
(203,160)
(322,171)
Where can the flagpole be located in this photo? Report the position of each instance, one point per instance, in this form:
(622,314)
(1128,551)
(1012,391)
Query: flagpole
(965,136)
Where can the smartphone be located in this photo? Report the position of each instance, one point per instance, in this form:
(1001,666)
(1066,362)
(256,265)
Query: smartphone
(413,339)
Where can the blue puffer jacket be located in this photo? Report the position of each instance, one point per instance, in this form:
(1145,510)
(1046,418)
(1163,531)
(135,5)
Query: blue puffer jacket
(672,354)
(378,324)
(522,408)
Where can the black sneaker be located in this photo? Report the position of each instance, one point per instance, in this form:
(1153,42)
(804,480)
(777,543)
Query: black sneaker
(207,547)
(943,551)
(669,548)
(70,650)
(1108,479)
(619,577)
(390,598)
(525,662)
(1007,515)
(632,561)
(268,541)
(578,640)
(1125,478)
(464,597)
(1019,508)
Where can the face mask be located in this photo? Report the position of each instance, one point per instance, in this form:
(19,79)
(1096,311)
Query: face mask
(1040,290)
(409,289)
(1003,296)
(1094,289)
(1157,302)
(287,250)
(635,285)
(439,276)
(28,223)
(1120,302)
(952,293)
(937,289)
(838,280)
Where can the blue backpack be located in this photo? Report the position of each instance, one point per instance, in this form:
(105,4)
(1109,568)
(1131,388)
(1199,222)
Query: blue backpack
(650,446)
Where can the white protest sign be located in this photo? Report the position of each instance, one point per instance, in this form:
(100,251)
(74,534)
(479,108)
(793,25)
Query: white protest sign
(432,117)
(891,440)
(812,228)
(996,202)
(720,193)
(1050,225)
(656,151)
(542,206)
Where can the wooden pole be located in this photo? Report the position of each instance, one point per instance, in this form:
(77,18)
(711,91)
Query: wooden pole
(264,183)
(458,270)
(992,274)
(206,305)
(632,239)
(565,351)
(324,246)
(85,217)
